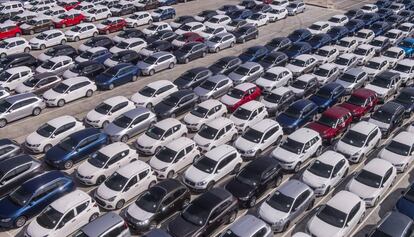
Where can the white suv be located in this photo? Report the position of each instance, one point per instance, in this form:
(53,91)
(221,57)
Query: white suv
(399,151)
(203,113)
(248,115)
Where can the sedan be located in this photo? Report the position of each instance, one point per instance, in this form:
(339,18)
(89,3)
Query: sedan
(176,103)
(157,62)
(117,75)
(190,51)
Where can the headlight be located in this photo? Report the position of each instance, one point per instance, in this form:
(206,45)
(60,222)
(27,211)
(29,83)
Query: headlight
(357,154)
(5,220)
(111,199)
(35,145)
(202,183)
(244,198)
(323,186)
(163,169)
(146,222)
(206,145)
(369,199)
(251,151)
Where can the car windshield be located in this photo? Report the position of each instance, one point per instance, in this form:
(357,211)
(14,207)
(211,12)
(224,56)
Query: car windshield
(292,112)
(208,132)
(48,65)
(147,91)
(242,113)
(98,159)
(348,78)
(390,54)
(49,218)
(122,121)
(166,155)
(356,100)
(208,85)
(341,61)
(334,20)
(298,62)
(249,176)
(391,35)
(185,28)
(378,81)
(51,52)
(322,52)
(270,76)
(151,199)
(360,51)
(3,44)
(321,169)
(152,27)
(402,68)
(214,20)
(199,111)
(369,178)
(171,100)
(280,201)
(20,196)
(405,98)
(77,68)
(241,71)
(236,93)
(299,84)
(354,138)
(150,60)
(122,45)
(406,44)
(315,27)
(328,121)
(323,93)
(76,29)
(292,146)
(46,130)
(205,164)
(343,43)
(398,148)
(4,76)
(322,72)
(233,23)
(253,135)
(372,65)
(215,39)
(86,54)
(382,115)
(377,43)
(273,98)
(196,214)
(332,216)
(103,108)
(68,144)
(155,132)
(116,182)
(269,59)
(42,36)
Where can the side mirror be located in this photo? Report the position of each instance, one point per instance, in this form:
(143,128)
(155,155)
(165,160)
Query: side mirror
(218,171)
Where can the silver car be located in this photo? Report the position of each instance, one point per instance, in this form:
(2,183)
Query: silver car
(157,62)
(247,72)
(19,106)
(220,41)
(214,87)
(248,226)
(130,124)
(353,79)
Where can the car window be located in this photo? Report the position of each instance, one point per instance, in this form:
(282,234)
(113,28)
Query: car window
(180,155)
(16,172)
(220,133)
(64,128)
(82,207)
(141,118)
(119,106)
(143,174)
(353,212)
(68,217)
(387,176)
(131,182)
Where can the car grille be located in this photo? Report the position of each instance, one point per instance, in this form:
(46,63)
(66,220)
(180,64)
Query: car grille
(189,182)
(99,201)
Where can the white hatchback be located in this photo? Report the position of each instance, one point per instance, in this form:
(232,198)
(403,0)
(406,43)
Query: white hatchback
(12,77)
(14,45)
(81,31)
(248,115)
(399,151)
(203,113)
(47,39)
(153,93)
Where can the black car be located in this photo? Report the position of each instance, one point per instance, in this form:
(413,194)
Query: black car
(390,114)
(407,14)
(207,14)
(337,32)
(395,20)
(182,20)
(102,41)
(19,59)
(225,65)
(299,35)
(16,170)
(278,44)
(62,50)
(190,51)
(384,13)
(246,33)
(254,180)
(192,78)
(369,18)
(276,102)
(205,214)
(160,45)
(274,59)
(176,103)
(89,69)
(158,232)
(126,56)
(383,3)
(380,27)
(319,40)
(248,4)
(228,8)
(9,148)
(354,25)
(157,203)
(406,99)
(166,35)
(354,13)
(131,33)
(394,224)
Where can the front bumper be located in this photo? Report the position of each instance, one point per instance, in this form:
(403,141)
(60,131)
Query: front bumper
(104,203)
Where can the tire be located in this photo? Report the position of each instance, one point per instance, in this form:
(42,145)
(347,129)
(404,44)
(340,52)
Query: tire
(93,216)
(120,204)
(149,106)
(232,217)
(217,50)
(170,175)
(27,49)
(150,22)
(47,147)
(286,226)
(100,179)
(68,165)
(311,204)
(151,184)
(252,202)
(77,38)
(231,44)
(297,167)
(61,103)
(36,111)
(124,138)
(42,47)
(63,41)
(210,185)
(20,221)
(3,55)
(185,203)
(278,181)
(152,225)
(17,35)
(186,61)
(236,169)
(89,93)
(171,66)
(151,72)
(318,151)
(111,86)
(3,123)
(95,34)
(204,54)
(105,123)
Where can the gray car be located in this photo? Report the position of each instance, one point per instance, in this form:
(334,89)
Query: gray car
(157,62)
(214,87)
(248,226)
(295,8)
(108,225)
(394,224)
(247,72)
(220,41)
(19,106)
(296,197)
(353,79)
(130,124)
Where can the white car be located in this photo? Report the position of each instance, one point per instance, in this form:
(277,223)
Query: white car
(277,13)
(135,44)
(248,114)
(105,112)
(399,151)
(352,79)
(103,163)
(64,215)
(153,93)
(297,148)
(139,19)
(326,54)
(279,3)
(215,133)
(319,27)
(56,65)
(3,93)
(373,181)
(346,45)
(203,113)
(273,78)
(364,36)
(69,90)
(326,172)
(160,134)
(302,64)
(407,28)
(338,20)
(81,31)
(124,184)
(174,157)
(54,12)
(51,133)
(369,8)
(96,13)
(326,73)
(195,27)
(364,53)
(338,217)
(212,167)
(47,39)
(397,7)
(405,68)
(258,138)
(258,19)
(155,27)
(217,20)
(208,32)
(12,77)
(393,55)
(14,45)
(375,66)
(360,140)
(394,35)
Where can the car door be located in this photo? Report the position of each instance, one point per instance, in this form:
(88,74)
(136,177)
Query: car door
(163,63)
(67,223)
(371,141)
(87,146)
(138,125)
(63,131)
(132,188)
(338,172)
(269,137)
(183,105)
(74,92)
(221,89)
(144,180)
(13,175)
(23,108)
(352,219)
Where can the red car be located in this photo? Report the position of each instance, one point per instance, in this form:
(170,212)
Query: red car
(9,30)
(332,123)
(361,102)
(68,19)
(69,4)
(240,95)
(187,38)
(111,25)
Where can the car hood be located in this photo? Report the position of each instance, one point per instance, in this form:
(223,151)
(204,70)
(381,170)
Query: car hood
(157,164)
(87,169)
(56,153)
(264,82)
(320,128)
(345,148)
(105,192)
(319,228)
(244,144)
(238,121)
(405,206)
(22,88)
(146,141)
(296,90)
(25,26)
(34,138)
(112,129)
(268,104)
(319,100)
(286,121)
(379,123)
(196,175)
(35,41)
(377,89)
(284,155)
(143,65)
(51,94)
(201,141)
(162,108)
(69,74)
(393,158)
(94,116)
(228,100)
(192,119)
(238,189)
(313,180)
(138,213)
(35,230)
(43,57)
(9,208)
(201,91)
(182,228)
(362,190)
(271,215)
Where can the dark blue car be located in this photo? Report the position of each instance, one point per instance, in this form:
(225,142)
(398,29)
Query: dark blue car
(319,40)
(408,46)
(241,14)
(299,35)
(406,99)
(384,13)
(298,49)
(383,3)
(76,147)
(328,95)
(297,114)
(354,25)
(254,54)
(369,18)
(97,54)
(31,197)
(380,27)
(405,204)
(117,75)
(354,13)
(395,20)
(337,32)
(163,14)
(168,2)
(406,14)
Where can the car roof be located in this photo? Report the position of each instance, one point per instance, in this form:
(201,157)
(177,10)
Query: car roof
(48,32)
(59,59)
(212,198)
(245,86)
(217,78)
(133,113)
(7,164)
(15,98)
(102,224)
(344,201)
(96,49)
(160,54)
(18,69)
(167,123)
(249,64)
(404,137)
(355,71)
(132,40)
(336,112)
(304,57)
(363,127)
(378,59)
(407,62)
(159,84)
(391,107)
(38,181)
(330,157)
(14,39)
(112,101)
(303,135)
(59,121)
(219,152)
(302,103)
(74,80)
(210,103)
(347,39)
(180,143)
(220,122)
(378,166)
(113,148)
(247,225)
(328,66)
(394,224)
(280,90)
(306,77)
(70,201)
(365,46)
(293,188)
(395,49)
(252,105)
(264,125)
(327,47)
(133,168)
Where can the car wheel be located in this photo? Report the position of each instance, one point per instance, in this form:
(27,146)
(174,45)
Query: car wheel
(31,32)
(77,38)
(151,72)
(152,225)
(47,147)
(150,22)
(36,111)
(68,164)
(120,204)
(236,169)
(286,226)
(149,106)
(151,184)
(310,206)
(204,54)
(217,50)
(61,103)
(105,123)
(42,47)
(232,217)
(172,116)
(111,86)
(318,151)
(20,221)
(63,41)
(186,203)
(252,202)
(170,175)
(100,179)
(95,34)
(89,93)
(3,55)
(93,217)
(3,123)
(258,152)
(256,36)
(27,49)
(231,44)
(124,138)
(171,66)
(297,167)
(210,185)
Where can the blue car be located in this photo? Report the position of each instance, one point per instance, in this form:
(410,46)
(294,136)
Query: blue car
(405,204)
(406,14)
(299,35)
(319,40)
(254,54)
(168,2)
(384,13)
(297,115)
(298,49)
(226,9)
(337,32)
(369,18)
(395,20)
(383,3)
(380,27)
(408,46)
(97,54)
(406,99)
(117,75)
(76,147)
(163,13)
(31,197)
(241,14)
(328,95)
(354,25)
